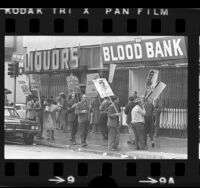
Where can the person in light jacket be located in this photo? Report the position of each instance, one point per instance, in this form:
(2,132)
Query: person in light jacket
(82,110)
(138,123)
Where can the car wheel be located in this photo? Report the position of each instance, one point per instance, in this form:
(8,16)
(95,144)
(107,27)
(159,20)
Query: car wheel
(28,139)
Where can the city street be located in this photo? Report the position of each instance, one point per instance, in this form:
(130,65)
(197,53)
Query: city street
(44,152)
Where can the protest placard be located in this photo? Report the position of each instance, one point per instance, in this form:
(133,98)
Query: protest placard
(72,84)
(152,80)
(90,87)
(103,87)
(156,91)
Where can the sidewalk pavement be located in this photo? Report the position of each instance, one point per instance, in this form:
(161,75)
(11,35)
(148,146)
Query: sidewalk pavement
(165,147)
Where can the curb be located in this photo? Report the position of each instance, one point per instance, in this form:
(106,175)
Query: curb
(104,153)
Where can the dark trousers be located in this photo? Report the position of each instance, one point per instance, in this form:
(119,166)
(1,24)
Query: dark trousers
(148,128)
(74,127)
(156,124)
(83,131)
(113,137)
(41,125)
(103,125)
(50,133)
(139,130)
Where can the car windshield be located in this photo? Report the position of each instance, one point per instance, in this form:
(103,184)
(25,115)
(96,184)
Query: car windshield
(11,113)
(20,107)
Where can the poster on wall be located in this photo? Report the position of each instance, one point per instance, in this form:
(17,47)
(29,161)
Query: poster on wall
(111,72)
(72,85)
(157,91)
(152,80)
(90,87)
(103,87)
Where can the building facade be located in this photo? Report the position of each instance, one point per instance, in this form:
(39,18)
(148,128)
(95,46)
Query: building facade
(13,44)
(134,59)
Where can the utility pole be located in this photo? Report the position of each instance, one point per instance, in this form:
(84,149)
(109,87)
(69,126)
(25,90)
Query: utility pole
(16,73)
(15,78)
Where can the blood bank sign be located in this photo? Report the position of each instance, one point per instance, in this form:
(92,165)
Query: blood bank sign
(147,50)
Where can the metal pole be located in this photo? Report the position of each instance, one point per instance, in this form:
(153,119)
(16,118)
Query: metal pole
(14,90)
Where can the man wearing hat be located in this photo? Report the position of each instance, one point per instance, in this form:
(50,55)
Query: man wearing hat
(138,113)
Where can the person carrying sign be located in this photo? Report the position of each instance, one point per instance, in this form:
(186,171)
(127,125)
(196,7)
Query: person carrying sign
(156,117)
(113,124)
(149,108)
(82,110)
(104,117)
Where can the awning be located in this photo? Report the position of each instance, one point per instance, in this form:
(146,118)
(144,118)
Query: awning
(7,91)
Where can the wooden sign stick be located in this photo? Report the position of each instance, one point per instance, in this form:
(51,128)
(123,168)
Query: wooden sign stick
(113,104)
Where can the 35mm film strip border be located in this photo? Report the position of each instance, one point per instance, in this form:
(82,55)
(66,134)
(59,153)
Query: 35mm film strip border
(129,172)
(98,22)
(83,26)
(106,26)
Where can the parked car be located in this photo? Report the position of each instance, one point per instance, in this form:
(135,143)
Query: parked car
(21,110)
(17,127)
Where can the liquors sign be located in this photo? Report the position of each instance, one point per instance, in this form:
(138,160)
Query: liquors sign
(52,60)
(164,48)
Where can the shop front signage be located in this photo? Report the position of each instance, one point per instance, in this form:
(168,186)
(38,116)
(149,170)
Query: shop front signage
(52,60)
(164,48)
(18,57)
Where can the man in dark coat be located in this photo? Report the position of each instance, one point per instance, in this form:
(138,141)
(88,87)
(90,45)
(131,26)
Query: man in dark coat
(149,108)
(104,117)
(82,109)
(113,125)
(40,113)
(156,117)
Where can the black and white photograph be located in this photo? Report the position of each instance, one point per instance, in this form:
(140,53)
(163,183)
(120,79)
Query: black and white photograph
(96,97)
